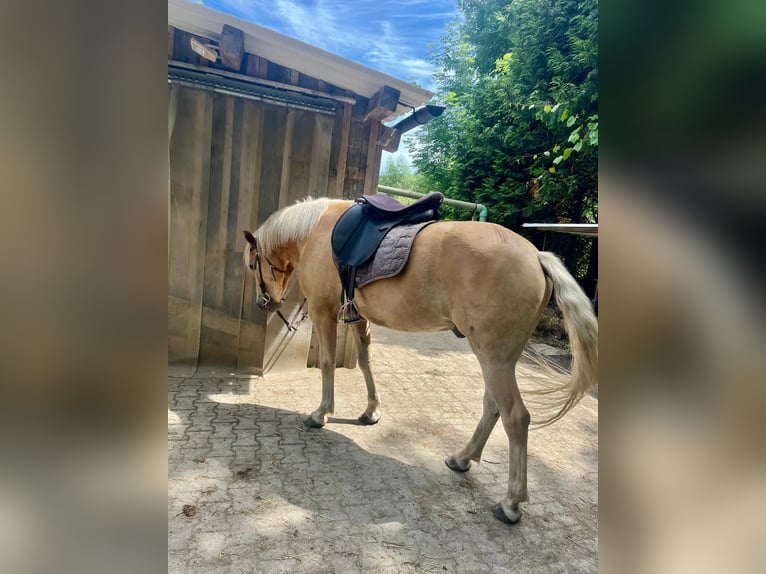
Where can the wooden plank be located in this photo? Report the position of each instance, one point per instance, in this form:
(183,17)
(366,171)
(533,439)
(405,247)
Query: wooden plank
(373,154)
(263,64)
(171,39)
(190,146)
(233,241)
(343,152)
(232,47)
(182,50)
(224,272)
(203,50)
(320,155)
(382,104)
(360,108)
(309,82)
(277,73)
(250,338)
(255,324)
(389,138)
(256,66)
(173,91)
(301,157)
(274,119)
(220,183)
(357,159)
(284,184)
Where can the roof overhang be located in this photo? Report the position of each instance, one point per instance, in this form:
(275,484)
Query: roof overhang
(295,54)
(585,229)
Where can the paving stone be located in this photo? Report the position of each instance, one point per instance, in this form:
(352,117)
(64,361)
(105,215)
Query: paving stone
(273,496)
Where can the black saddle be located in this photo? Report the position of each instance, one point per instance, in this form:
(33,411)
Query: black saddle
(359,231)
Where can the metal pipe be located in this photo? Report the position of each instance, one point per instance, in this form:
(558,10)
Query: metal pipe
(475,208)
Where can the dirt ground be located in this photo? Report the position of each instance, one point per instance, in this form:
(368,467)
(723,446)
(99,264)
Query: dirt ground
(252,490)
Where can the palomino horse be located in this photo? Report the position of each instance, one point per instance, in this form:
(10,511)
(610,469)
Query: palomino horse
(475,278)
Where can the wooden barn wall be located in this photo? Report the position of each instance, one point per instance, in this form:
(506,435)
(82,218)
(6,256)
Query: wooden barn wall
(233,162)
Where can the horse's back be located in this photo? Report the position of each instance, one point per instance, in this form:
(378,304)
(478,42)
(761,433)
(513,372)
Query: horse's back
(473,250)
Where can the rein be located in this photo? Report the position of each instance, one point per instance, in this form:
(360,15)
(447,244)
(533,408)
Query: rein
(267,297)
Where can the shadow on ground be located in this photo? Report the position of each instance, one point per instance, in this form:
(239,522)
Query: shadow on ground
(269,495)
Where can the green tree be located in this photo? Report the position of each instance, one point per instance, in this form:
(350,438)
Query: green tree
(520,132)
(396,172)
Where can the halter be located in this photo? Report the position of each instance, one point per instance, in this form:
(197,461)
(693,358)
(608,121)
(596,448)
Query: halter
(262,287)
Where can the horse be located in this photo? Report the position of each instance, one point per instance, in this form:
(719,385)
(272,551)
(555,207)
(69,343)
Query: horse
(478,279)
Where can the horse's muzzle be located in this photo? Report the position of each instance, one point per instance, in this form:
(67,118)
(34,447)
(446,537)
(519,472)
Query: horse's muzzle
(266,303)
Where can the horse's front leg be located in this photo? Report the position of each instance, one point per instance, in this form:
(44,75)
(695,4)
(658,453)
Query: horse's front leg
(361,331)
(327,328)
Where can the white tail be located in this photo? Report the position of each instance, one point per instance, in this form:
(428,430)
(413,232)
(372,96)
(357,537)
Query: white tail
(555,392)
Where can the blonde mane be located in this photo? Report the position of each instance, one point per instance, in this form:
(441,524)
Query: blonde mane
(291,223)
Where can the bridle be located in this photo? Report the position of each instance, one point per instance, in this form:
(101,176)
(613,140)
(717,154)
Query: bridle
(274,269)
(264,292)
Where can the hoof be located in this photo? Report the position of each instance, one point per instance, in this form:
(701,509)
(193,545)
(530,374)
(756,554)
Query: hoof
(452,464)
(365,420)
(312,424)
(499,513)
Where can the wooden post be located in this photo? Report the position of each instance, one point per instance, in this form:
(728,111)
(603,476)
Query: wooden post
(382,104)
(389,138)
(374,154)
(343,152)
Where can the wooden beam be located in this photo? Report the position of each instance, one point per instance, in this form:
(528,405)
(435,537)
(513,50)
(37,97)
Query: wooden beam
(373,160)
(382,104)
(263,64)
(389,138)
(171,38)
(232,47)
(343,151)
(287,157)
(256,66)
(203,50)
(182,48)
(277,73)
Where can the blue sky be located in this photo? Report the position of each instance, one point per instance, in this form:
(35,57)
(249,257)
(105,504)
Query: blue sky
(392,36)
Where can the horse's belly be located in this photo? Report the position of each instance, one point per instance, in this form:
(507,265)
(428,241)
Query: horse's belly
(390,304)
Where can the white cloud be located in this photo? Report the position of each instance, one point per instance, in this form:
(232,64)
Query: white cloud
(355,30)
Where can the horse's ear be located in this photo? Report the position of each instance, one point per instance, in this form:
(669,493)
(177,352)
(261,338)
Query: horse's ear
(249,237)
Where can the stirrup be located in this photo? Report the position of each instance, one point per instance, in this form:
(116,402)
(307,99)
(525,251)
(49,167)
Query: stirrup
(348,313)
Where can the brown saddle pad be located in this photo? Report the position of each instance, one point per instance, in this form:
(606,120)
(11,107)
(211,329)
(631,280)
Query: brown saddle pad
(392,255)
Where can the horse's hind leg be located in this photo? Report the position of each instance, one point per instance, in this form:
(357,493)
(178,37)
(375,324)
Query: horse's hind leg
(460,461)
(361,332)
(501,399)
(515,417)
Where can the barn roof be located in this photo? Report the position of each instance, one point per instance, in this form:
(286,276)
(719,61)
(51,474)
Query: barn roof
(294,54)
